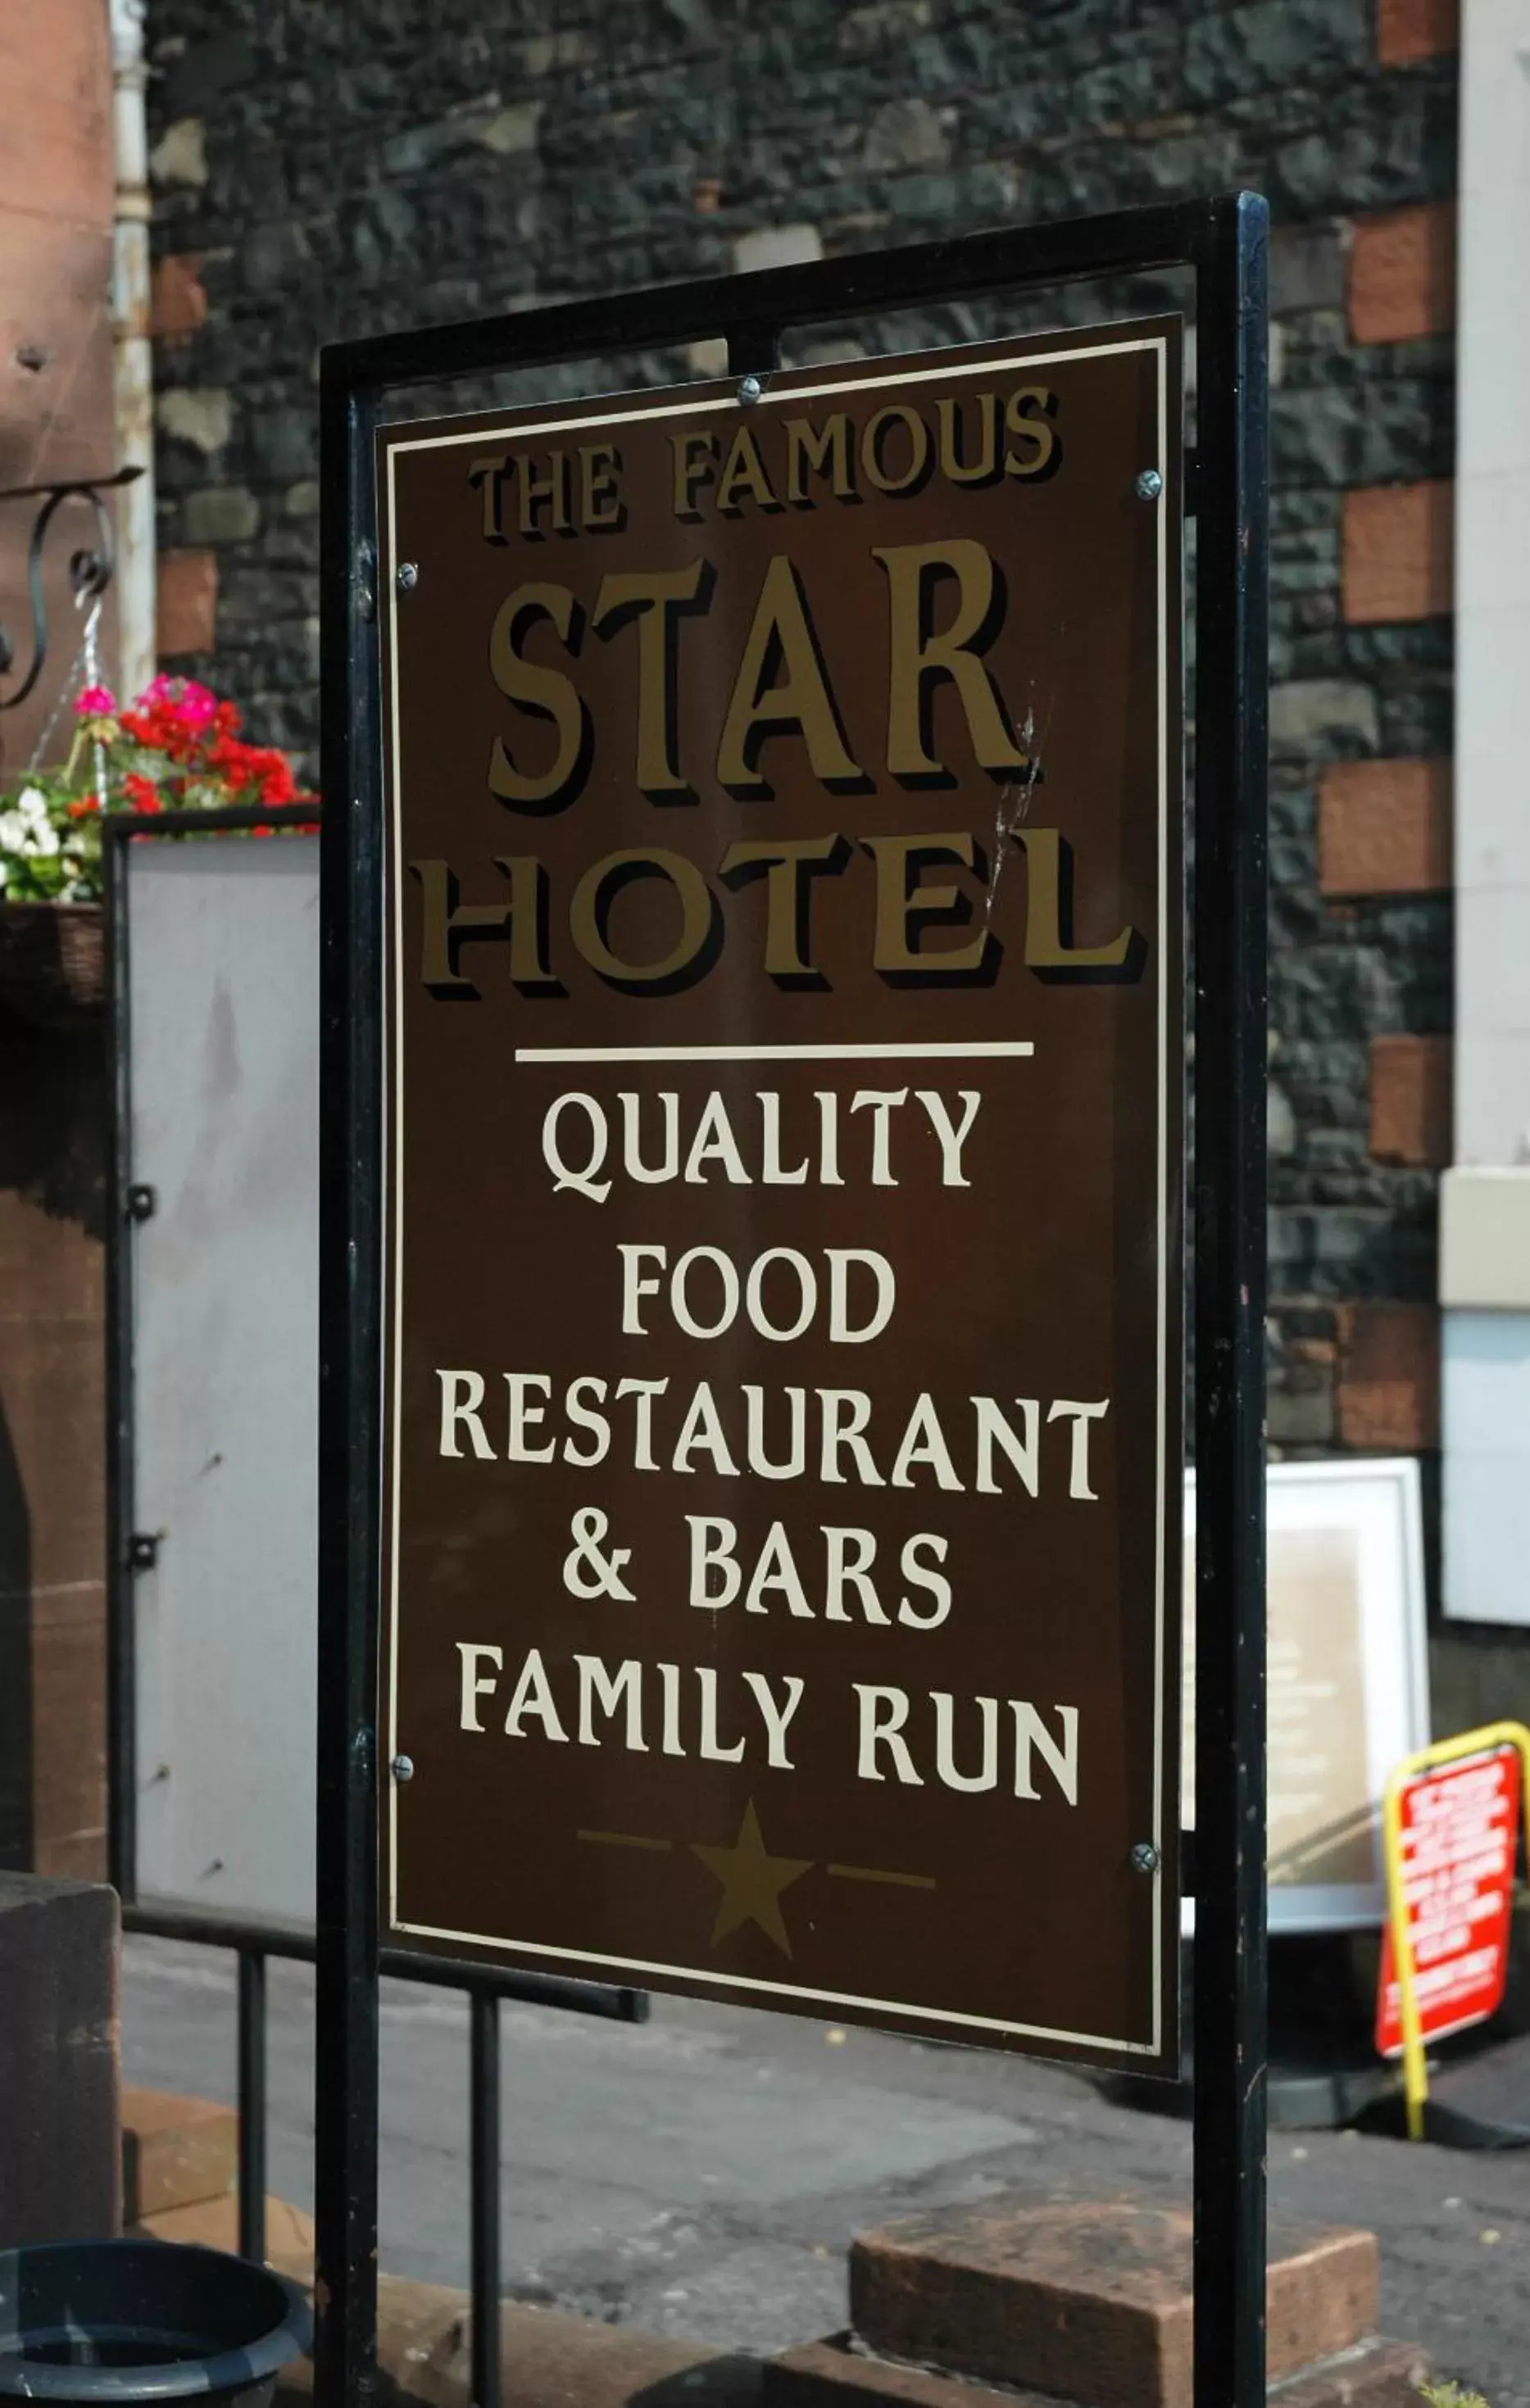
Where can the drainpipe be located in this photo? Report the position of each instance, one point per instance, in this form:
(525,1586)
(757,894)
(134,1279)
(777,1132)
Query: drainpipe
(133,352)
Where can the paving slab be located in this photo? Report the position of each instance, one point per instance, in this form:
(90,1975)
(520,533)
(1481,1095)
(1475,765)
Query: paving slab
(717,2161)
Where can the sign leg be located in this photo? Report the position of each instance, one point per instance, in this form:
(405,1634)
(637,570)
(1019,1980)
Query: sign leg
(1229,2041)
(346,2012)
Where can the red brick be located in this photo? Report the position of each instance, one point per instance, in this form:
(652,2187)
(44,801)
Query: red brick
(179,303)
(188,602)
(1402,275)
(1090,2301)
(55,161)
(1397,551)
(1384,827)
(177,2153)
(1388,1387)
(1409,30)
(1410,1099)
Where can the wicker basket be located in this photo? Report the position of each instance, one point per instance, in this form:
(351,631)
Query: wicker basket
(53,964)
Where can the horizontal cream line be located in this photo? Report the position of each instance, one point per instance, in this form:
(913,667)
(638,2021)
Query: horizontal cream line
(624,1839)
(985,1049)
(871,1873)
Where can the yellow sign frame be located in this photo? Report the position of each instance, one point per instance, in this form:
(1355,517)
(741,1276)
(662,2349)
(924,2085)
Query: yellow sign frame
(1485,1742)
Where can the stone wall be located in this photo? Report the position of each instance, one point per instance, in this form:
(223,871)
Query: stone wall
(323,172)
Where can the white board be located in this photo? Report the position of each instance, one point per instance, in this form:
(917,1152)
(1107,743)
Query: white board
(1485,1417)
(224,1037)
(1348,1680)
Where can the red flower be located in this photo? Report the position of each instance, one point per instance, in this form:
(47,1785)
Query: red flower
(141,791)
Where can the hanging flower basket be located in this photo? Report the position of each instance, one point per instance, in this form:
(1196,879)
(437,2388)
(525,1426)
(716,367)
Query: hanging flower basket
(177,749)
(53,964)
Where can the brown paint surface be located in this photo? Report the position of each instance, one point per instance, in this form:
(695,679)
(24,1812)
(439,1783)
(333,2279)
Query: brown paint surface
(1019,1919)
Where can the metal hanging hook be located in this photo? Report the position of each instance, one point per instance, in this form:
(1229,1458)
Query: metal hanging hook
(90,570)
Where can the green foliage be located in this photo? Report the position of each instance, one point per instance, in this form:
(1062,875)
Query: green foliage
(177,748)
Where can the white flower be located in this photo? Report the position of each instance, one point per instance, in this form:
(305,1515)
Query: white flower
(32,801)
(5,874)
(27,833)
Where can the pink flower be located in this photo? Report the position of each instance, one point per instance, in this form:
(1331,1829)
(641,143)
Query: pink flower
(96,702)
(190,704)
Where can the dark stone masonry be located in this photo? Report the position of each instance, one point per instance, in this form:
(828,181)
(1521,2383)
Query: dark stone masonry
(324,170)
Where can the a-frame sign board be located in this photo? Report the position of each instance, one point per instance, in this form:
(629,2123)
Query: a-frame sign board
(754,1212)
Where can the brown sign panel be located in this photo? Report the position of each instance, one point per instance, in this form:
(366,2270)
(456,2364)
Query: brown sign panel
(784,1452)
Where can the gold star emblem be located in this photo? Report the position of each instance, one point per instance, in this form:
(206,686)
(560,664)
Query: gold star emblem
(752,1883)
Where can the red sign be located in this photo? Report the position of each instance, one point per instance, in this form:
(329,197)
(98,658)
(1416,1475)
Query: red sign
(1459,1827)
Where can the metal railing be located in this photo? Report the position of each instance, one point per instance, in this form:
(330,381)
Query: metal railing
(255,1944)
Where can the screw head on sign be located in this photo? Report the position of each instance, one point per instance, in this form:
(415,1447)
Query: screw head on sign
(1149,485)
(408,577)
(750,390)
(403,1767)
(1145,1857)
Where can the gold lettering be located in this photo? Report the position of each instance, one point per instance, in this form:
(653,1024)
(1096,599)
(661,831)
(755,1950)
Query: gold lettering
(1043,450)
(872,448)
(545,692)
(535,490)
(902,906)
(790,869)
(1048,914)
(446,925)
(744,467)
(695,462)
(491,473)
(816,449)
(782,637)
(656,598)
(599,499)
(956,470)
(918,659)
(695,949)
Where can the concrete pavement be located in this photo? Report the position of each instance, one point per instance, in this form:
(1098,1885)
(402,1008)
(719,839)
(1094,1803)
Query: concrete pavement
(701,2176)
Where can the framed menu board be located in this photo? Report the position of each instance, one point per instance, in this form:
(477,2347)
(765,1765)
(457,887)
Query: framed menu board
(1349,1680)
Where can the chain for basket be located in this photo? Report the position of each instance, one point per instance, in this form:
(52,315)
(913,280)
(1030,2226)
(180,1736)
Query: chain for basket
(83,671)
(93,676)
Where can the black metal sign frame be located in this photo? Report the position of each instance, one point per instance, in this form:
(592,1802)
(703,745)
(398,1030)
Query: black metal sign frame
(1223,243)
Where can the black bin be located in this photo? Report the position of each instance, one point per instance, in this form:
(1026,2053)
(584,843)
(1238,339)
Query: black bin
(116,2321)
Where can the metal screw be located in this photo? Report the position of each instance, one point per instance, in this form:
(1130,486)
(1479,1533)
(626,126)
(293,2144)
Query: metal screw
(750,390)
(1145,1857)
(408,577)
(403,1767)
(1148,485)
(141,1202)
